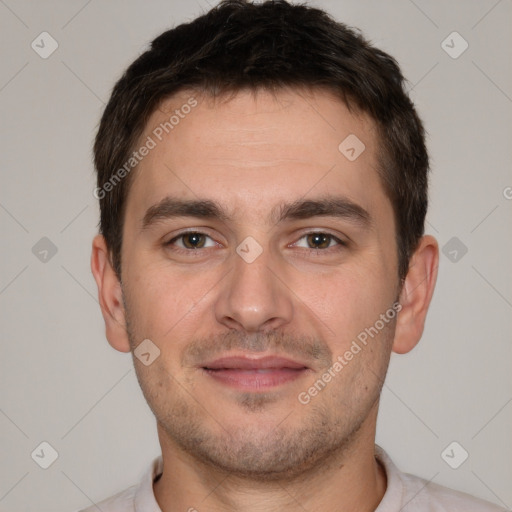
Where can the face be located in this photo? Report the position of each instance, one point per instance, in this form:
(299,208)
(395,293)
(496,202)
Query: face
(261,261)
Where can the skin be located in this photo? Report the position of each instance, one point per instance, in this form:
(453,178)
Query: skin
(230,449)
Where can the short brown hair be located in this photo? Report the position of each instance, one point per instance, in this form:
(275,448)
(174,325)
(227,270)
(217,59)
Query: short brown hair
(241,45)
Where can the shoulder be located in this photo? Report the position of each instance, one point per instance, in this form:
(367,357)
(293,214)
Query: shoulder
(135,498)
(419,494)
(121,502)
(410,493)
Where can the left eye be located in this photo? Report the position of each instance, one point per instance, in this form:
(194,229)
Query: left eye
(320,240)
(191,240)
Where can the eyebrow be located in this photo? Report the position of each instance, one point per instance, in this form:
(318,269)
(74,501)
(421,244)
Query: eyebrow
(341,207)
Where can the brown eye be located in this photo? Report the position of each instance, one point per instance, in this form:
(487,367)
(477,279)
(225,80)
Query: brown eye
(319,240)
(190,240)
(193,240)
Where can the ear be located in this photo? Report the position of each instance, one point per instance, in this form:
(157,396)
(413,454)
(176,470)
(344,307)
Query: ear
(416,295)
(109,295)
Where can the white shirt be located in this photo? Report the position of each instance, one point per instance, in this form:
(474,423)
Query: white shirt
(404,493)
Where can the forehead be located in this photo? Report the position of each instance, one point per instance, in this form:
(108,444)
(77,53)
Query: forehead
(256,149)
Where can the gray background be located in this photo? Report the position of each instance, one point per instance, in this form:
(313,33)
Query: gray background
(63,384)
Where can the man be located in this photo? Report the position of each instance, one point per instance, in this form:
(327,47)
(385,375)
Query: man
(262,178)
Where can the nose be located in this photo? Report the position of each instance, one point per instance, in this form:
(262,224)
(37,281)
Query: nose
(254,296)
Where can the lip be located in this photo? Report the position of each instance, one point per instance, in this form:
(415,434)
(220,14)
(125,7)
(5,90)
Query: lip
(255,373)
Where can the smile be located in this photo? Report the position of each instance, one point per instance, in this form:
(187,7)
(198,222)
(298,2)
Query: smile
(254,374)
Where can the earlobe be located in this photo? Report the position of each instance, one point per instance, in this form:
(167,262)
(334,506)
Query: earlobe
(416,295)
(109,295)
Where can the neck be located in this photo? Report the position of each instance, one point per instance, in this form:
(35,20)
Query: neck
(352,481)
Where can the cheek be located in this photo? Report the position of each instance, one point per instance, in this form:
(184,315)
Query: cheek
(154,299)
(347,303)
(167,305)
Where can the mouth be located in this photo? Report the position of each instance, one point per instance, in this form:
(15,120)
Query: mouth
(255,373)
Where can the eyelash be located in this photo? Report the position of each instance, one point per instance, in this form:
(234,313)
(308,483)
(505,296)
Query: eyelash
(341,243)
